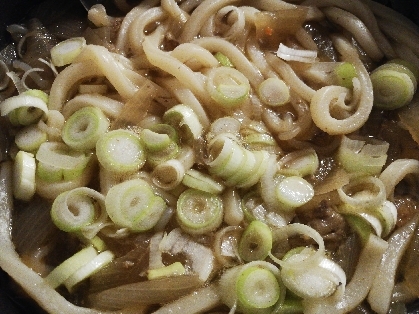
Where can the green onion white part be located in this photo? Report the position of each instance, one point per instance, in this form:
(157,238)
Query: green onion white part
(132,204)
(201,181)
(24,170)
(67,268)
(300,163)
(274,92)
(56,162)
(394,85)
(73,210)
(293,192)
(300,55)
(254,287)
(358,156)
(30,138)
(24,109)
(227,86)
(185,120)
(199,212)
(66,51)
(94,265)
(120,151)
(168,174)
(233,163)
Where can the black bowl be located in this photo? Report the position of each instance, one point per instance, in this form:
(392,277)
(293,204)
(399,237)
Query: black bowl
(15,11)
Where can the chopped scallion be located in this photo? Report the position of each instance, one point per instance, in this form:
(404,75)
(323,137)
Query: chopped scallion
(132,204)
(24,176)
(120,151)
(274,92)
(199,212)
(227,86)
(84,127)
(255,242)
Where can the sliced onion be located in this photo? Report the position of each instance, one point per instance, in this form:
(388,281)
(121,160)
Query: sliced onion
(201,257)
(291,54)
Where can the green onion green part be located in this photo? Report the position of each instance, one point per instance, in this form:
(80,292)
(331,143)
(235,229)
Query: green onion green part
(228,86)
(67,268)
(132,204)
(393,85)
(345,73)
(223,60)
(174,269)
(84,127)
(255,242)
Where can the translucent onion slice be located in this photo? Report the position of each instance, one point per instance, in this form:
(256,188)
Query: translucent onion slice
(201,257)
(291,54)
(159,290)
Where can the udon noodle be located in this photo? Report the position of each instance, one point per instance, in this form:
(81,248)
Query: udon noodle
(216,157)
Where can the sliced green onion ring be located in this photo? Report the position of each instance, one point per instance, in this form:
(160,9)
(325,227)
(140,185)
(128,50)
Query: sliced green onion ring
(24,170)
(362,157)
(73,210)
(255,242)
(254,287)
(274,92)
(365,192)
(227,86)
(293,192)
(185,120)
(94,265)
(120,151)
(199,212)
(132,204)
(84,127)
(67,268)
(394,86)
(201,181)
(66,51)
